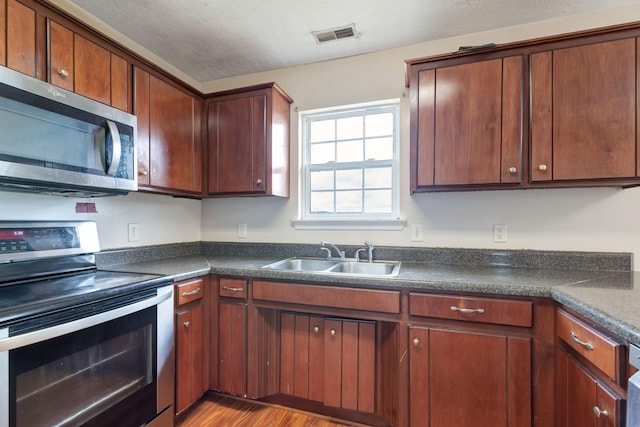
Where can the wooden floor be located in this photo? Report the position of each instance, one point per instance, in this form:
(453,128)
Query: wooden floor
(218,410)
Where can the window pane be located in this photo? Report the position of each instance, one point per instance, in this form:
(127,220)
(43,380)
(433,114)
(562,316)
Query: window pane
(349,127)
(350,151)
(323,153)
(349,179)
(378,178)
(379,149)
(322,202)
(321,180)
(377,201)
(323,130)
(379,125)
(349,201)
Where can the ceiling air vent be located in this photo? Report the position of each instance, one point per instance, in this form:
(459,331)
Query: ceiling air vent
(344,32)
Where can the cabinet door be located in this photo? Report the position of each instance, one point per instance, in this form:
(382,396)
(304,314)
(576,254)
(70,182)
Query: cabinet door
(92,65)
(232,348)
(302,356)
(583,112)
(579,394)
(189,356)
(469,124)
(141,100)
(61,70)
(237,141)
(349,365)
(21,38)
(3,33)
(458,378)
(174,154)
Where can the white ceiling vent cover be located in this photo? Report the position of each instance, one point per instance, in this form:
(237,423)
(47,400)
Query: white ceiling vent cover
(344,32)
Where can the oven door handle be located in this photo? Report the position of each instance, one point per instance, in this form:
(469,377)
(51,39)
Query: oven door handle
(29,338)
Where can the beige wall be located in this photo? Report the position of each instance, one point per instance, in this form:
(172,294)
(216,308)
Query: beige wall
(580,219)
(572,219)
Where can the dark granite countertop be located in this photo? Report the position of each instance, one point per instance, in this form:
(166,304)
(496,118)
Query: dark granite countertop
(606,297)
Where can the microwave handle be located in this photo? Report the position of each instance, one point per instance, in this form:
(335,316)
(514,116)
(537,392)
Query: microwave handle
(117,148)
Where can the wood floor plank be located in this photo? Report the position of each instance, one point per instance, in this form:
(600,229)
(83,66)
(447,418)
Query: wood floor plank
(220,410)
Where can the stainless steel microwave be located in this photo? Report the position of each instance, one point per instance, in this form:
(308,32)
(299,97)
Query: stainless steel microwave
(57,142)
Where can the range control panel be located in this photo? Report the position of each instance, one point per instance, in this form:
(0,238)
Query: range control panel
(38,239)
(26,240)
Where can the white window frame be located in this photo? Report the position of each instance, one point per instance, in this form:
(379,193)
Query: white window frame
(368,221)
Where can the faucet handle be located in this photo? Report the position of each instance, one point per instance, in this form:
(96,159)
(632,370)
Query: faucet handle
(328,251)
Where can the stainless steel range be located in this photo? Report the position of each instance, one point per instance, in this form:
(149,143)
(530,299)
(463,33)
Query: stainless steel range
(80,346)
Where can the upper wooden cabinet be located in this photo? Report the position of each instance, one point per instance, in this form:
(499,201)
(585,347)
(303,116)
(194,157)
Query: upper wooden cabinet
(169,137)
(20,37)
(467,123)
(80,65)
(578,91)
(583,112)
(248,142)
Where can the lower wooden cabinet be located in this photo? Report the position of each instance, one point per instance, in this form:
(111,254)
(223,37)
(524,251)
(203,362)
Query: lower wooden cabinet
(328,360)
(232,347)
(190,354)
(468,379)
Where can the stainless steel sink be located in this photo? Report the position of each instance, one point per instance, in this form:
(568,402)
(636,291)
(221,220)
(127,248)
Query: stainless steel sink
(302,264)
(386,268)
(351,268)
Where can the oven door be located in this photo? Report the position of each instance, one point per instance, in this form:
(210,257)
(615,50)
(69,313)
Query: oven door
(105,369)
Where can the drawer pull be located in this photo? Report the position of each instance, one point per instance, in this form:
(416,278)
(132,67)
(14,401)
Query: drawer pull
(193,292)
(316,329)
(600,412)
(230,289)
(187,324)
(416,342)
(467,310)
(333,332)
(577,340)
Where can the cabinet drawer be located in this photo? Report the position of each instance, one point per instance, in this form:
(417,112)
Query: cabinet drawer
(469,309)
(328,296)
(189,290)
(594,346)
(233,288)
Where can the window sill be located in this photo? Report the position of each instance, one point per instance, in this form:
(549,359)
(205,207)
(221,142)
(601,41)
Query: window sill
(354,224)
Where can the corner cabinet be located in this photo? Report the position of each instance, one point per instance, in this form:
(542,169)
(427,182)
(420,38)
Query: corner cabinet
(169,137)
(248,142)
(466,123)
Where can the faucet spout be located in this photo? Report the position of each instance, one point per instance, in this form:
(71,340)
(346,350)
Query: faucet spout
(328,246)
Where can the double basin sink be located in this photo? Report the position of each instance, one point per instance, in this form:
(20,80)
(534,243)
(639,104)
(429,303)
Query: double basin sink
(348,267)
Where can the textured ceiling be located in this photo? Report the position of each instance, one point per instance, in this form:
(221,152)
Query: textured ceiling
(213,39)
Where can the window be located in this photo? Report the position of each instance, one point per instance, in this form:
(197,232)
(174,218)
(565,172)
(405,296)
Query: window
(350,164)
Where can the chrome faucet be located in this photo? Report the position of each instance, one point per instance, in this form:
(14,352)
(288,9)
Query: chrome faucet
(369,249)
(327,246)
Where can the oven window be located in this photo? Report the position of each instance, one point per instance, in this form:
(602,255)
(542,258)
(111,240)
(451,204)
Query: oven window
(102,375)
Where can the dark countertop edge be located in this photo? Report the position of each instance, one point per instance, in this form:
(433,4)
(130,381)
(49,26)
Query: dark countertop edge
(186,267)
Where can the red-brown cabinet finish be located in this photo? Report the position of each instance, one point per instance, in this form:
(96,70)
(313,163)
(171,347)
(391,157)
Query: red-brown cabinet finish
(466,123)
(3,33)
(232,348)
(248,142)
(169,136)
(190,342)
(21,38)
(583,112)
(459,377)
(582,400)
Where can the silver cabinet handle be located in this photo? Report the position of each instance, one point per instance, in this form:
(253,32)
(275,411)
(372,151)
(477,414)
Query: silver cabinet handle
(513,170)
(316,329)
(193,292)
(332,332)
(258,181)
(542,168)
(416,342)
(577,340)
(143,172)
(230,289)
(600,412)
(468,310)
(187,324)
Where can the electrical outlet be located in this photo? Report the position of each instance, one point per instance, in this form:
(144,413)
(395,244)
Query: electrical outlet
(500,233)
(417,232)
(242,230)
(134,232)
